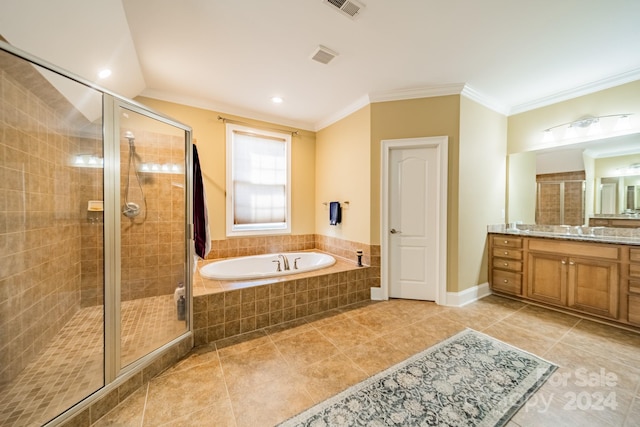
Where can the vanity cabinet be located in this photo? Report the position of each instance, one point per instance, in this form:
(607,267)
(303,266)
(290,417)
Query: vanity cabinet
(633,291)
(581,276)
(506,264)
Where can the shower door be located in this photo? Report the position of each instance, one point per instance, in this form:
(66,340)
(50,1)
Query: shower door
(51,242)
(152,212)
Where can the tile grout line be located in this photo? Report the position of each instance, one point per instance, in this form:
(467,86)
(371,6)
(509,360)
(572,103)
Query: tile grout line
(144,406)
(226,386)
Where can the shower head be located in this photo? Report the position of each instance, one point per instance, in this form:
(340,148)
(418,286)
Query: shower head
(130,209)
(129,135)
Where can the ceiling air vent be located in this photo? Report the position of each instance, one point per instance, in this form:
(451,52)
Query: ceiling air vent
(350,8)
(323,55)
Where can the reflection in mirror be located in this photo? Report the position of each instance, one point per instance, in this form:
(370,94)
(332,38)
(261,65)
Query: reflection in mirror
(611,171)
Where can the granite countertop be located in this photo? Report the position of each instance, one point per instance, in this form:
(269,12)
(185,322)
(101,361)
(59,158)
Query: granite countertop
(576,233)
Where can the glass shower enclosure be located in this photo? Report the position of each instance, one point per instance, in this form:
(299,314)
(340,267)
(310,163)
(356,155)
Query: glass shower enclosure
(95,247)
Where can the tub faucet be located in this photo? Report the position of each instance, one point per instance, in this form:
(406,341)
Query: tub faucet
(285,261)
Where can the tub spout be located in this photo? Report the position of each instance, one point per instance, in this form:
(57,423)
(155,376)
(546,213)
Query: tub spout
(285,261)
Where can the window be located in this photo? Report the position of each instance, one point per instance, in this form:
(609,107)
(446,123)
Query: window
(258,181)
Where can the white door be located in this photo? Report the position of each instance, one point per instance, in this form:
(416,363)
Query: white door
(608,198)
(413,223)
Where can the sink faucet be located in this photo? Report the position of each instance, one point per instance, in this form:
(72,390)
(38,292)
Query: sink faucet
(285,261)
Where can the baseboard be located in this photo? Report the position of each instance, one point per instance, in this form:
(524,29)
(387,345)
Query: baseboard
(459,299)
(377,294)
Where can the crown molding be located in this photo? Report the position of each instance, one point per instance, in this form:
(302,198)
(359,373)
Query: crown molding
(414,93)
(491,104)
(225,109)
(586,89)
(341,114)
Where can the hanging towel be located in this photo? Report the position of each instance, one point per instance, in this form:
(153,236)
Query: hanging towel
(200,218)
(335,213)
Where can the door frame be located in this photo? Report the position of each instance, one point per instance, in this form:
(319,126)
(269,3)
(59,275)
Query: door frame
(441,144)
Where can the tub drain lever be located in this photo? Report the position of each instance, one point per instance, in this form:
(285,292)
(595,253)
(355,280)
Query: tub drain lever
(278,261)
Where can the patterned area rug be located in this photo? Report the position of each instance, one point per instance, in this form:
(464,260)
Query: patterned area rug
(469,379)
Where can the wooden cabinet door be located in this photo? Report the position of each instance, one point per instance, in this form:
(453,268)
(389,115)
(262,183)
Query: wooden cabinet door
(547,278)
(593,286)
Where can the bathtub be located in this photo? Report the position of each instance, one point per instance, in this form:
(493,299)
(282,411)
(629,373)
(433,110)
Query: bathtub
(260,266)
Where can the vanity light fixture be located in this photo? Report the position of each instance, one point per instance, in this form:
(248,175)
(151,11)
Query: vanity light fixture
(277,100)
(103,74)
(586,126)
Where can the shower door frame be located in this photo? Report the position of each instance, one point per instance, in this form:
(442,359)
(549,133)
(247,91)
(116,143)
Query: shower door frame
(112,243)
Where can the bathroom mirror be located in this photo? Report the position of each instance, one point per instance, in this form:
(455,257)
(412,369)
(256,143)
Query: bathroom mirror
(612,176)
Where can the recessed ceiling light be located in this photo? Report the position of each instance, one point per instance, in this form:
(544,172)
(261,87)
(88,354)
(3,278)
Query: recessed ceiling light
(103,74)
(277,100)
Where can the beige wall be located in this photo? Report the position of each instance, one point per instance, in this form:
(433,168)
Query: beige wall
(342,162)
(209,135)
(521,188)
(437,116)
(525,130)
(482,165)
(343,170)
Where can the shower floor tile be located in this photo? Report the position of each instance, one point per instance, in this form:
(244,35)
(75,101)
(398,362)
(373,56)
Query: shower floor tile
(71,366)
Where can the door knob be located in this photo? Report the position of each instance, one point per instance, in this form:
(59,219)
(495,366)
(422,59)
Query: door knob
(394,231)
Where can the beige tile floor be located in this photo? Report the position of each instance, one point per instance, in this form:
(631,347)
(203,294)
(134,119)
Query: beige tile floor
(273,374)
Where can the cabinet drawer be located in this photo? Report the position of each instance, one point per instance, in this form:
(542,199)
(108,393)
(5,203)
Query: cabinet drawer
(634,271)
(507,253)
(634,287)
(507,241)
(575,249)
(634,309)
(506,281)
(634,255)
(507,264)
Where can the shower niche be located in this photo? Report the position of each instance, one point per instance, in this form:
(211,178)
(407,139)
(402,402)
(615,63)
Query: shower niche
(95,208)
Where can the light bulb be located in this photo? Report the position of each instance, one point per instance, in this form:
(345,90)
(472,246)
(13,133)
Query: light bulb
(594,128)
(570,132)
(623,123)
(548,136)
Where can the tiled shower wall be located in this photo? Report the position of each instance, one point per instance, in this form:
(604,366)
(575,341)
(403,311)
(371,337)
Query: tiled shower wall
(549,199)
(153,247)
(40,241)
(92,229)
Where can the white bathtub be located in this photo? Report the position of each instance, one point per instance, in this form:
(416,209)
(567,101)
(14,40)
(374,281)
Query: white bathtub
(259,266)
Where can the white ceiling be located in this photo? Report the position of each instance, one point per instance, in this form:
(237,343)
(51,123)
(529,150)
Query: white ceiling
(233,56)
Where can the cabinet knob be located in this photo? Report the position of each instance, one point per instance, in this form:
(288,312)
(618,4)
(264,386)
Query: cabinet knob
(506,241)
(564,262)
(506,252)
(571,263)
(506,264)
(506,281)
